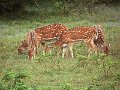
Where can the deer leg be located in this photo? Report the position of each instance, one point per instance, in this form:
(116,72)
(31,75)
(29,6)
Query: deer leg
(59,51)
(64,50)
(47,49)
(89,52)
(90,48)
(37,47)
(93,47)
(43,48)
(32,52)
(70,46)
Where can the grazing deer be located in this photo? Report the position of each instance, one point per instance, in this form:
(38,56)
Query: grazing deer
(49,33)
(25,44)
(31,44)
(92,36)
(100,41)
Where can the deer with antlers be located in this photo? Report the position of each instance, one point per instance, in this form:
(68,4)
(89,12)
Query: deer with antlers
(40,36)
(92,36)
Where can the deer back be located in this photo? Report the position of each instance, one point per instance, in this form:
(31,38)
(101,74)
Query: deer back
(79,34)
(51,31)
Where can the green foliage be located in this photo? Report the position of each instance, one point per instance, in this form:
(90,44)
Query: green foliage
(8,76)
(14,81)
(81,57)
(42,57)
(66,86)
(63,7)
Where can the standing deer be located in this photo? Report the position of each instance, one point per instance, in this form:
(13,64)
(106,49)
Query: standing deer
(92,36)
(42,35)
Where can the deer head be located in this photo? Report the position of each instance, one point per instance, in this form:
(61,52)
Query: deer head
(100,41)
(23,46)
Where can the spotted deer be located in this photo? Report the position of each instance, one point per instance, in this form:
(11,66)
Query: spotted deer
(92,36)
(49,33)
(27,43)
(100,41)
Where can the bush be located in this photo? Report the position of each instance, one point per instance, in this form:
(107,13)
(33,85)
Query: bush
(13,81)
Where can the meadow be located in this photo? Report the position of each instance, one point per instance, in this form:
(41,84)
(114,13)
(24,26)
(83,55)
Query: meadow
(54,73)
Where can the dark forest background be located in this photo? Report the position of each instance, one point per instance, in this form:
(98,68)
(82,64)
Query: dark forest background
(66,7)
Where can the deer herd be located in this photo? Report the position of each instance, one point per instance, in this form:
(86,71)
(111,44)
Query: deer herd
(60,36)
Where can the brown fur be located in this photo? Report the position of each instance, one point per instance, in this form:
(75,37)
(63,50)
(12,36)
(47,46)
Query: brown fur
(40,35)
(92,36)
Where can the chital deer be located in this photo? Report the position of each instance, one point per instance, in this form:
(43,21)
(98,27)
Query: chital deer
(31,38)
(31,43)
(100,41)
(92,36)
(42,35)
(28,43)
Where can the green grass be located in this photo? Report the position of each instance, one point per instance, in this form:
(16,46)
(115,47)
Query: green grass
(54,73)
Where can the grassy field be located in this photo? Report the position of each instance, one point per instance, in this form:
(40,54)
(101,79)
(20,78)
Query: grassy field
(51,72)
